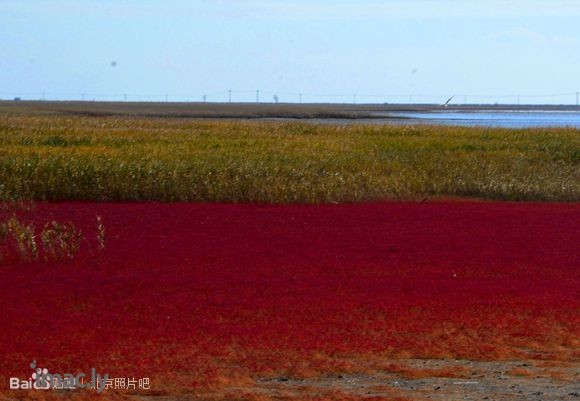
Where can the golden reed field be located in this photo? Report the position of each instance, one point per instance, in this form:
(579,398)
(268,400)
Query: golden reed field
(55,157)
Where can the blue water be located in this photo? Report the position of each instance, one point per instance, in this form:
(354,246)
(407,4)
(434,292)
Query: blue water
(512,119)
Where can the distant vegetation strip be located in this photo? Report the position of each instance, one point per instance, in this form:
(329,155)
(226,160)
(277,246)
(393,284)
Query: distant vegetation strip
(136,159)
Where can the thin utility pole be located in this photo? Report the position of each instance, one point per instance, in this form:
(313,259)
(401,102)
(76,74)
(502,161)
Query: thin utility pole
(257,95)
(230,96)
(577,93)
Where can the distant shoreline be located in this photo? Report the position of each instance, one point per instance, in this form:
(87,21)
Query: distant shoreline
(320,111)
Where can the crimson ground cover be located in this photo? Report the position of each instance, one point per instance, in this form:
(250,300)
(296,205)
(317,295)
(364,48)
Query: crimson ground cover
(203,296)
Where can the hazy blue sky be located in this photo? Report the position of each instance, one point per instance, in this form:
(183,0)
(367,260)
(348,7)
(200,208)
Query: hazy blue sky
(327,50)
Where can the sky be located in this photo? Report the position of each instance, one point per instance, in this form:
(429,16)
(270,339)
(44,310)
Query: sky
(368,51)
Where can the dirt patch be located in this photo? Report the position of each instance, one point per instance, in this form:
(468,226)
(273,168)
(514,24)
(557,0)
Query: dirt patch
(481,381)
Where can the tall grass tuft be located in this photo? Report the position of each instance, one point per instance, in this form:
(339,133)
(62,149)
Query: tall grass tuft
(54,241)
(101,238)
(60,240)
(23,236)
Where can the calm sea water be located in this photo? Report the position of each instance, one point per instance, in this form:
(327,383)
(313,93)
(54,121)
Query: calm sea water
(513,119)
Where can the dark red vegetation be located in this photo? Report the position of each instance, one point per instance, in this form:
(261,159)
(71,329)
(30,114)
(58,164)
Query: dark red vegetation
(200,296)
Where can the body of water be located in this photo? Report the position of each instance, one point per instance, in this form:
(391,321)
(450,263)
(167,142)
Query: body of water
(506,119)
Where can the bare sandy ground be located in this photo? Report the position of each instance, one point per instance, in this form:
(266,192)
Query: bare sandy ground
(514,380)
(492,381)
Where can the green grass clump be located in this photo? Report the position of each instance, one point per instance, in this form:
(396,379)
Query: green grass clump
(134,159)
